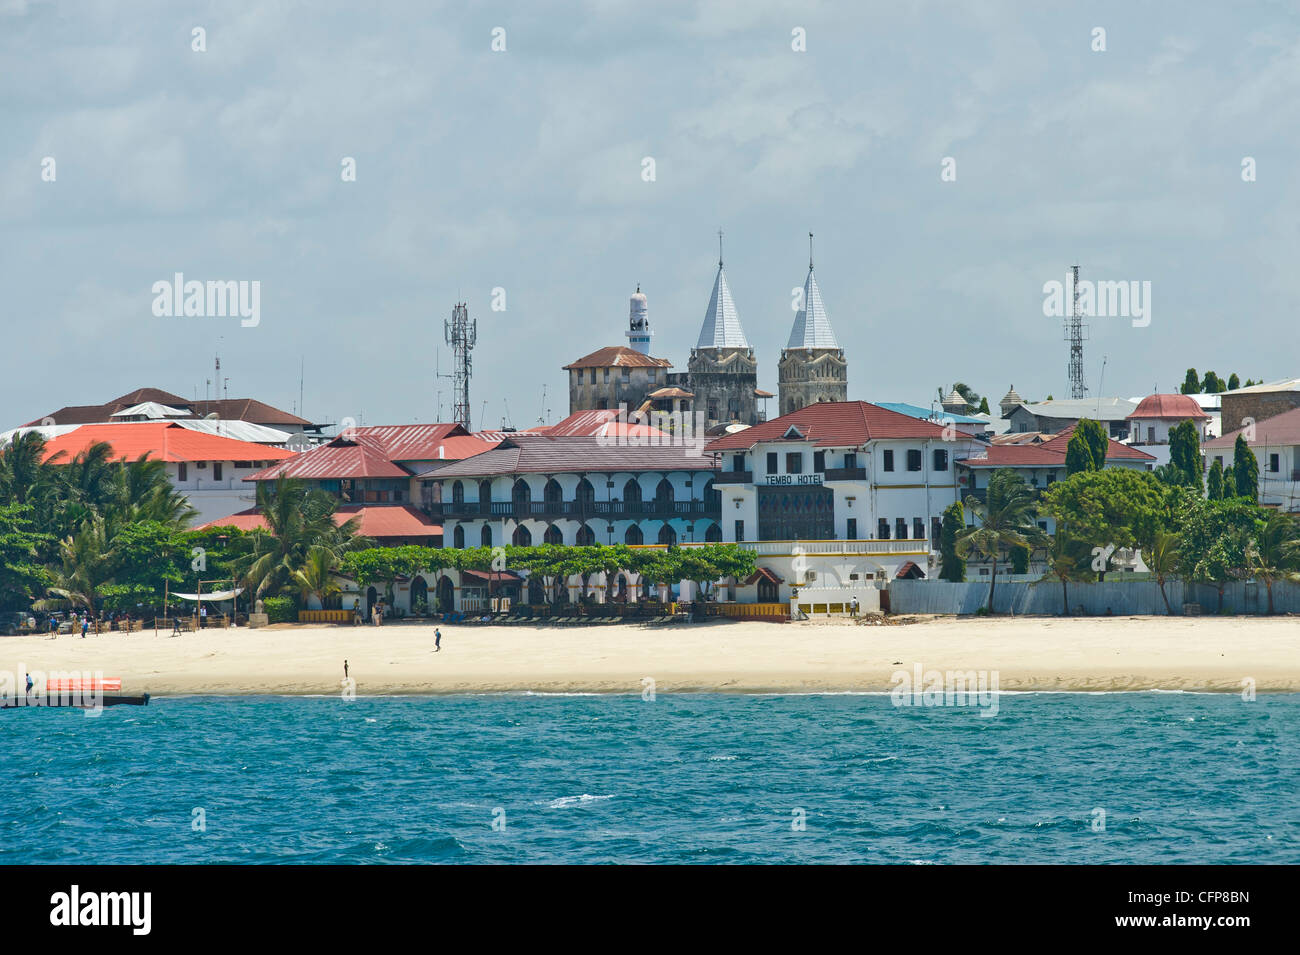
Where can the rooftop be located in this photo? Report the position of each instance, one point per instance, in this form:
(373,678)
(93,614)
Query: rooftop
(382,521)
(1098,409)
(833,424)
(535,453)
(618,356)
(160,440)
(1279,430)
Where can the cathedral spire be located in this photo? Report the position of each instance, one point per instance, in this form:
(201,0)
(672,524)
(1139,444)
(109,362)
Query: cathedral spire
(812,326)
(721,327)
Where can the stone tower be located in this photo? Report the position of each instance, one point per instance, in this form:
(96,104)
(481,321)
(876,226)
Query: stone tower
(722,371)
(812,366)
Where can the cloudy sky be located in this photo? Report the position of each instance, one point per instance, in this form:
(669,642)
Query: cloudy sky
(523,170)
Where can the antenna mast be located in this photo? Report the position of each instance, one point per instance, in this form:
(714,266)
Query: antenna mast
(1075,333)
(462,335)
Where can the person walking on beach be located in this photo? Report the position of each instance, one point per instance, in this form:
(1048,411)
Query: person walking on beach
(437,639)
(85,625)
(345,669)
(356,611)
(376,614)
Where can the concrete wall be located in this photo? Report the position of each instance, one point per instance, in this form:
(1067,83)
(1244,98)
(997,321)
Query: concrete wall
(1092,599)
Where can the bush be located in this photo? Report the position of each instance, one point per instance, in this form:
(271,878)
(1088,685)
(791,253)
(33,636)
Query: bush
(280,609)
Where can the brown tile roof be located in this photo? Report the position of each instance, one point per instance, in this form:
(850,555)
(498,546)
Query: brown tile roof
(619,356)
(245,409)
(231,409)
(1282,429)
(1049,454)
(833,424)
(376,452)
(543,454)
(1168,406)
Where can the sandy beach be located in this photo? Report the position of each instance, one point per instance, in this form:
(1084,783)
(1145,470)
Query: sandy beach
(1121,653)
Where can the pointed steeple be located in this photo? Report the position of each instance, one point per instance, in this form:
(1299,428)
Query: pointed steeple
(812,326)
(721,328)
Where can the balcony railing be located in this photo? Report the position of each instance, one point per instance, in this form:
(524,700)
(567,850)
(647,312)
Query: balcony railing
(733,477)
(577,510)
(845,474)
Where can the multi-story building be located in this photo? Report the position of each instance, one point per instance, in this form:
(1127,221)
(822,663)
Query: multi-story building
(812,367)
(1157,415)
(1275,442)
(838,494)
(1258,402)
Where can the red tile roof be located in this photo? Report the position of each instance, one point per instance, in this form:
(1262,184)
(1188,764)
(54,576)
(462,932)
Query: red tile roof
(159,440)
(832,424)
(379,522)
(602,423)
(375,452)
(1049,454)
(1282,429)
(619,356)
(543,454)
(1179,407)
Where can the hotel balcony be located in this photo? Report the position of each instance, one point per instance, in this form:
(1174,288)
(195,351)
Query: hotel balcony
(733,477)
(575,510)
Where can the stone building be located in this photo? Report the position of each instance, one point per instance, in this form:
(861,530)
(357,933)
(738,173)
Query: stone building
(1258,402)
(619,375)
(812,367)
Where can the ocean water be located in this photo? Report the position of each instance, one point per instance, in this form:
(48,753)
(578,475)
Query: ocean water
(685,778)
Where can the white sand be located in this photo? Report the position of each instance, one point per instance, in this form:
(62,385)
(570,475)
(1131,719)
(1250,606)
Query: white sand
(1121,653)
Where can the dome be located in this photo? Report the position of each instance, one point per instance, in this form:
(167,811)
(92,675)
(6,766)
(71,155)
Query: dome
(1174,407)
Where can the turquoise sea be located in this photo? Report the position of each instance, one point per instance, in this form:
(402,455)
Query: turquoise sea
(1191,778)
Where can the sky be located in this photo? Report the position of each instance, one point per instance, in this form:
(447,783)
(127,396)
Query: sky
(523,170)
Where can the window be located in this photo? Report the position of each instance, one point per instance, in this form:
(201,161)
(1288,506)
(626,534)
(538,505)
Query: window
(918,528)
(913,459)
(771,462)
(882,529)
(819,461)
(889,460)
(737,462)
(851,529)
(936,530)
(740,531)
(1151,434)
(713,411)
(458,537)
(1274,463)
(593,376)
(851,459)
(1051,476)
(900,528)
(606,376)
(183,471)
(485,537)
(626,375)
(941,459)
(794,462)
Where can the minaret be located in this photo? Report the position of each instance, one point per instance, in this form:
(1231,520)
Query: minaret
(812,366)
(722,371)
(638,323)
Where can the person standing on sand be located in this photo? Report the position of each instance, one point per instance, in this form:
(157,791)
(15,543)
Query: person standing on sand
(437,639)
(853,606)
(85,625)
(345,669)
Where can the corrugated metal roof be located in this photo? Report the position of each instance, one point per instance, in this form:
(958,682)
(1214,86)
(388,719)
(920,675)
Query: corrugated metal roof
(1098,409)
(721,327)
(378,521)
(376,452)
(163,441)
(1168,406)
(618,356)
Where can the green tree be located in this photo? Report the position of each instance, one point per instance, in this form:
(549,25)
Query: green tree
(1120,506)
(952,566)
(1229,484)
(1213,538)
(1233,382)
(87,561)
(1068,558)
(1192,383)
(1215,484)
(1020,559)
(22,576)
(297,519)
(316,575)
(1162,559)
(984,406)
(1004,519)
(1272,554)
(1245,470)
(1185,455)
(1210,384)
(1087,448)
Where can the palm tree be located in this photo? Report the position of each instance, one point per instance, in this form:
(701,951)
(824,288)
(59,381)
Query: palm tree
(316,576)
(88,564)
(1162,559)
(297,520)
(1273,551)
(1005,519)
(24,475)
(1067,559)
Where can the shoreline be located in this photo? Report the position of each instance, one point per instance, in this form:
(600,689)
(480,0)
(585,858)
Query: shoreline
(1028,654)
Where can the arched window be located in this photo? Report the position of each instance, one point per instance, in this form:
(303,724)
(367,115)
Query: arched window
(522,537)
(458,493)
(633,535)
(458,537)
(485,495)
(553,535)
(667,535)
(521,493)
(714,534)
(712,497)
(584,494)
(485,538)
(586,536)
(553,494)
(664,495)
(632,495)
